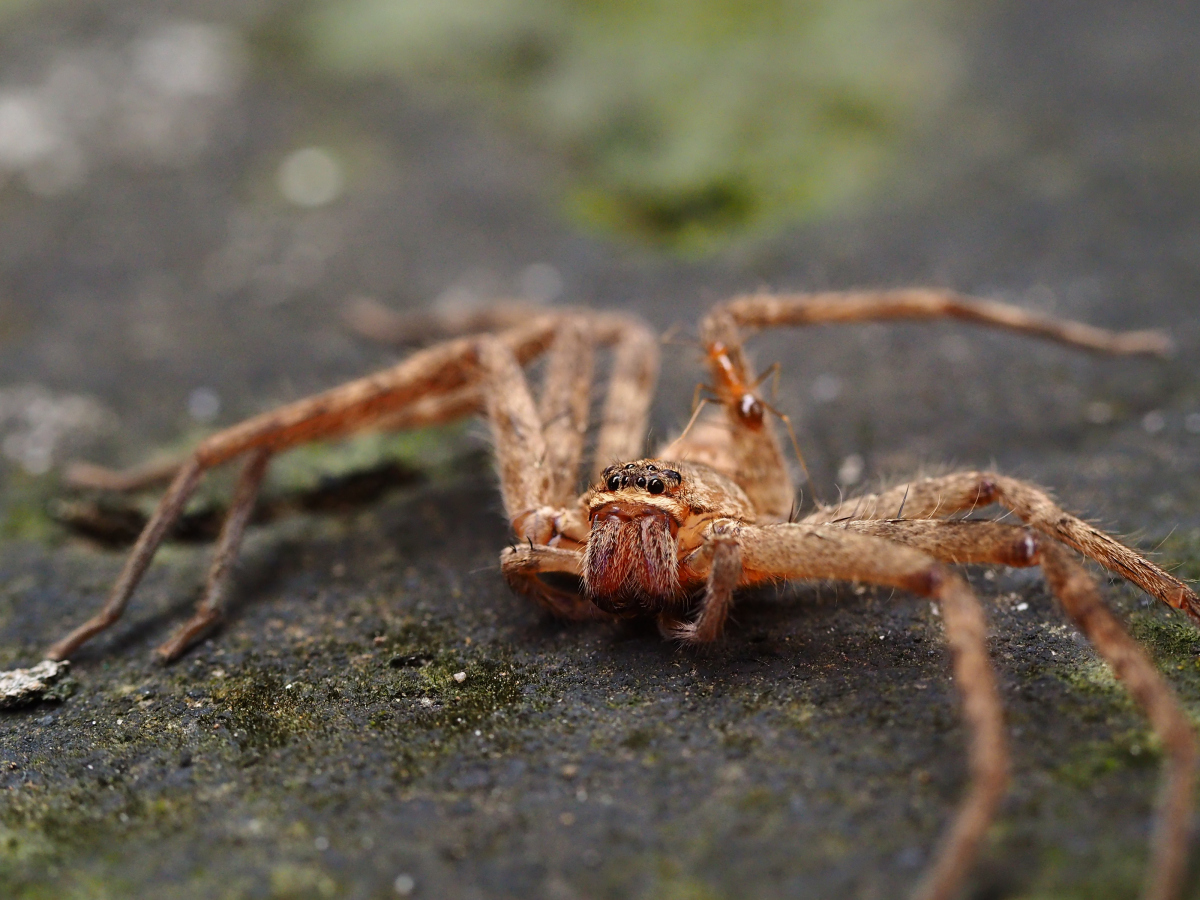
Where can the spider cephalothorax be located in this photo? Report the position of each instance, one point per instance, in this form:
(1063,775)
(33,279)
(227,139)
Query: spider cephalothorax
(675,538)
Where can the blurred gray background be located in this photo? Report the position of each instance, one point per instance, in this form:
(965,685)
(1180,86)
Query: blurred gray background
(191,193)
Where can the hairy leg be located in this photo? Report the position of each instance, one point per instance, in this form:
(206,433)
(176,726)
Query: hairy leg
(432,386)
(822,551)
(626,411)
(757,311)
(445,368)
(962,491)
(563,407)
(722,553)
(1001,544)
(211,609)
(761,466)
(169,508)
(522,564)
(975,541)
(1077,592)
(375,322)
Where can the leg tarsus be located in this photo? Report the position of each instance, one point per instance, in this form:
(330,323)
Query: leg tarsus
(210,612)
(139,558)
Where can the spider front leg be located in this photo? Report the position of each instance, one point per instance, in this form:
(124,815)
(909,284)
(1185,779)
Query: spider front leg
(721,555)
(444,369)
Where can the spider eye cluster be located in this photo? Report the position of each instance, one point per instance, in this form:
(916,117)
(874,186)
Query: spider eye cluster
(643,476)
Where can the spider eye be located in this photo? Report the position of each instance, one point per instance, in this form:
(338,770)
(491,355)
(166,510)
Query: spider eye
(641,481)
(657,486)
(614,482)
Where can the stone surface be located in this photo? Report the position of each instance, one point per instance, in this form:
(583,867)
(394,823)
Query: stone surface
(320,744)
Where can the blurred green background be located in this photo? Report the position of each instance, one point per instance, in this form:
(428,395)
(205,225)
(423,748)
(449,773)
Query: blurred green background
(685,123)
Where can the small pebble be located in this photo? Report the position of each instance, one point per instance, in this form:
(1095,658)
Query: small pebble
(460,677)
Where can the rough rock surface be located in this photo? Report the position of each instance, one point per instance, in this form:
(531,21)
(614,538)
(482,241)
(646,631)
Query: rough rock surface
(319,745)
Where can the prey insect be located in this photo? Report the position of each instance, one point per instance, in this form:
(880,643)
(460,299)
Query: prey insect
(673,536)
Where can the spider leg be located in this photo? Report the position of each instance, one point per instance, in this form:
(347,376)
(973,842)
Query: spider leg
(973,541)
(1077,592)
(538,457)
(527,342)
(563,407)
(210,611)
(527,482)
(519,443)
(523,563)
(372,320)
(1002,544)
(757,311)
(723,554)
(760,466)
(444,368)
(169,508)
(88,476)
(932,497)
(790,551)
(626,411)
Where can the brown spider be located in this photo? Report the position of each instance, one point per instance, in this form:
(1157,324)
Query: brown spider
(673,536)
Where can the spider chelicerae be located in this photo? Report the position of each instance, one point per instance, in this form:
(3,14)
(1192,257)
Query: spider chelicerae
(672,537)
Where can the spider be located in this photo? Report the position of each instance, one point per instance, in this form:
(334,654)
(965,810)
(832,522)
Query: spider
(672,537)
